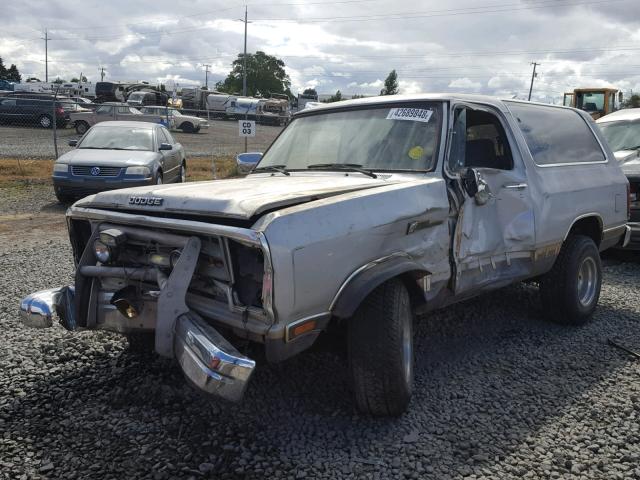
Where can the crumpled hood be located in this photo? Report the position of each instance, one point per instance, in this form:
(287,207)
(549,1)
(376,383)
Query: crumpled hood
(240,198)
(629,161)
(111,158)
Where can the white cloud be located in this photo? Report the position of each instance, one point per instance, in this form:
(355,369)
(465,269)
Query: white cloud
(465,84)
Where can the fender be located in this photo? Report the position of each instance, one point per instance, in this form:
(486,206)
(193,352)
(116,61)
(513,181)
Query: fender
(367,278)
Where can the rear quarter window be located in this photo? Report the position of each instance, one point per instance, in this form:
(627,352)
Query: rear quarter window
(556,135)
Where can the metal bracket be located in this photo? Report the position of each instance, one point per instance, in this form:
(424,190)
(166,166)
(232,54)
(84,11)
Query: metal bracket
(171,302)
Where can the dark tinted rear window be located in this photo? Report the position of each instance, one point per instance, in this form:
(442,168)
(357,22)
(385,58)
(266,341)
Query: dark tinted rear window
(556,135)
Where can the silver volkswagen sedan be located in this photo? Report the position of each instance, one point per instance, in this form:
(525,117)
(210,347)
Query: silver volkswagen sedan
(115,155)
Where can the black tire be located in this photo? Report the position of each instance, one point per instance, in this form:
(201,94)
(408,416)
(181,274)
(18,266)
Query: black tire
(81,128)
(64,198)
(187,127)
(380,345)
(157,179)
(182,177)
(45,121)
(570,291)
(141,342)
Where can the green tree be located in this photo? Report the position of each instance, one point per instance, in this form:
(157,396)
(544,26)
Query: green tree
(310,91)
(357,96)
(13,74)
(632,102)
(390,84)
(76,80)
(265,75)
(335,97)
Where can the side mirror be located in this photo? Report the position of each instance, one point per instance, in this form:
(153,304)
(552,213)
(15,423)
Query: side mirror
(475,186)
(73,143)
(165,146)
(247,161)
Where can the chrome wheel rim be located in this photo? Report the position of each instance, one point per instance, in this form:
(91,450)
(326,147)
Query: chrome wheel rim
(45,122)
(407,349)
(159,180)
(587,281)
(183,174)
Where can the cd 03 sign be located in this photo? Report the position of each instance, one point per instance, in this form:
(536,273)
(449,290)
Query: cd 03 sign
(247,128)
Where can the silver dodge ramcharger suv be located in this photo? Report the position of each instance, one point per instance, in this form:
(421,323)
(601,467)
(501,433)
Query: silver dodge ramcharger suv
(361,214)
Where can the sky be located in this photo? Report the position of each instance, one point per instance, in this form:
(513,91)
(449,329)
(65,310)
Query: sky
(465,46)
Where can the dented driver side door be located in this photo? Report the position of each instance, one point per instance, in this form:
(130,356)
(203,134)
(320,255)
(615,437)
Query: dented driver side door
(494,235)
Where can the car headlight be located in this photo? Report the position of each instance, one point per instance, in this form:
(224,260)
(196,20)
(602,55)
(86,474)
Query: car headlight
(101,251)
(60,168)
(138,171)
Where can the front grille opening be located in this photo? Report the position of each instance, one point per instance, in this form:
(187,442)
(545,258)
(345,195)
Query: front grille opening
(95,171)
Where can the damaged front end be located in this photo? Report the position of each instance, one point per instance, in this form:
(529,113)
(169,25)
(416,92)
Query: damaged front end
(177,278)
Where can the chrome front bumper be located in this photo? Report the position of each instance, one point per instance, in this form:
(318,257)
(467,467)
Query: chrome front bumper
(208,360)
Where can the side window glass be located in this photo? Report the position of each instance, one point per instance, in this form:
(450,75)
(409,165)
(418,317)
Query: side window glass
(123,110)
(556,135)
(479,140)
(170,138)
(104,110)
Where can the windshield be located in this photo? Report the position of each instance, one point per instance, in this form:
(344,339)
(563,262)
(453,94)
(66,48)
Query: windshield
(118,138)
(622,135)
(590,101)
(399,137)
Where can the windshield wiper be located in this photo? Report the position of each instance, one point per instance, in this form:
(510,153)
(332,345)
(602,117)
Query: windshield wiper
(637,147)
(351,167)
(274,168)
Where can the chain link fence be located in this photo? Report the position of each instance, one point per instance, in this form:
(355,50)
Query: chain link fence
(40,126)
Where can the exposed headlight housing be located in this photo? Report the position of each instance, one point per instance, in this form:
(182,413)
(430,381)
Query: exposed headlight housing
(138,171)
(60,167)
(101,251)
(112,237)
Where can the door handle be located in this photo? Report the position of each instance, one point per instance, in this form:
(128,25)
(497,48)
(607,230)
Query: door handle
(515,186)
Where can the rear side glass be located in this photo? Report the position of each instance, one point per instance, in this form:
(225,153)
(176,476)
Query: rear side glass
(556,135)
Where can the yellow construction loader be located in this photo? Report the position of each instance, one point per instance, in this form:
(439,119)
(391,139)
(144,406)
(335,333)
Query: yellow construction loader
(598,102)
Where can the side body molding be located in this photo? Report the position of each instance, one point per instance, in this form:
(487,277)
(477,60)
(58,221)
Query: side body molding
(365,279)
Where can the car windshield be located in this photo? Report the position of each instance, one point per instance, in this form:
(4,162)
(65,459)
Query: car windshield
(401,137)
(176,113)
(118,138)
(622,135)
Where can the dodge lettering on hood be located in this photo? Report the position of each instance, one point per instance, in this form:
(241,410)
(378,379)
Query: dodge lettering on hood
(360,216)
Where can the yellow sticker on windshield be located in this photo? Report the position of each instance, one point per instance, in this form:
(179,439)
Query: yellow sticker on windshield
(416,152)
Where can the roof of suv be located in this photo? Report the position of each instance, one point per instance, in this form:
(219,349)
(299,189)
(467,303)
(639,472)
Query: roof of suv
(383,100)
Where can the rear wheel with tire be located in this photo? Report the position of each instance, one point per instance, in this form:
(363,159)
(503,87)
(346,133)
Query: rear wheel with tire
(380,344)
(45,121)
(81,128)
(570,291)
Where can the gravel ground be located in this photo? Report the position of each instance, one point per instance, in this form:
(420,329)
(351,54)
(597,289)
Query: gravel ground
(220,139)
(500,393)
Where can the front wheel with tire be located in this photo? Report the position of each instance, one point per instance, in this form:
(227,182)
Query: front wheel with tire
(183,173)
(142,343)
(45,121)
(380,344)
(158,178)
(570,291)
(187,127)
(63,198)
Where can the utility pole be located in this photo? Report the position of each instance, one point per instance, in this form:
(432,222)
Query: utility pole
(102,74)
(244,58)
(533,75)
(206,75)
(46,55)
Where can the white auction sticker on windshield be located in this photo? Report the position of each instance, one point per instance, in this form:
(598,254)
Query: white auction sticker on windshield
(413,114)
